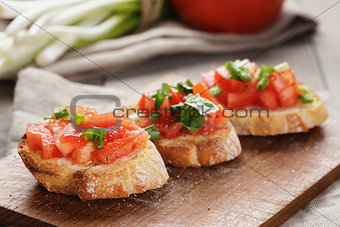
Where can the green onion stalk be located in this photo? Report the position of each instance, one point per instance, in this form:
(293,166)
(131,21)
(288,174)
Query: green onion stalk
(41,32)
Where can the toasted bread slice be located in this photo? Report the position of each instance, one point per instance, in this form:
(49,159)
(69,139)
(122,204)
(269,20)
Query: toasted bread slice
(138,172)
(299,118)
(198,150)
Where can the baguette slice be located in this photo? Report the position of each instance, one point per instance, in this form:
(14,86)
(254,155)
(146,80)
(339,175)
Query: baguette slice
(300,118)
(196,151)
(136,173)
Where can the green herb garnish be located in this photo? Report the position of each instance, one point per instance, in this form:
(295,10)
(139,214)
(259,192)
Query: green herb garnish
(215,91)
(306,97)
(60,112)
(96,135)
(79,118)
(176,109)
(263,74)
(154,116)
(240,73)
(153,132)
(184,87)
(262,84)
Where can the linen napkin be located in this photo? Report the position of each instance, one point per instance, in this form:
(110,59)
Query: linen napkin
(171,37)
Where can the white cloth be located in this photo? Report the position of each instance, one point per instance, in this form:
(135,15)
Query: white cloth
(171,37)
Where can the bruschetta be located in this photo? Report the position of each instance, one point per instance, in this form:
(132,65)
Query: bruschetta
(265,100)
(187,128)
(98,162)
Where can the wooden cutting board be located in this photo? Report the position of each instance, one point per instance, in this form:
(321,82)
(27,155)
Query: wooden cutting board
(272,179)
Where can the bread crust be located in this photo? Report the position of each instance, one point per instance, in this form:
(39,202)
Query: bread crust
(300,118)
(198,150)
(138,172)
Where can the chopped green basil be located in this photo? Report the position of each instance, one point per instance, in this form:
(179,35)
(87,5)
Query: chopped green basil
(176,109)
(202,105)
(185,88)
(191,118)
(79,118)
(282,67)
(153,132)
(154,116)
(160,95)
(60,112)
(96,135)
(237,72)
(306,98)
(215,91)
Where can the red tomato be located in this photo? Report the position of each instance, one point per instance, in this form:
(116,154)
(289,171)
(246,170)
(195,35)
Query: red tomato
(288,96)
(246,96)
(41,139)
(114,150)
(170,130)
(221,78)
(209,78)
(139,137)
(141,102)
(223,98)
(129,124)
(68,140)
(115,135)
(165,108)
(80,109)
(83,155)
(288,77)
(203,91)
(105,120)
(241,16)
(269,99)
(277,82)
(175,98)
(56,125)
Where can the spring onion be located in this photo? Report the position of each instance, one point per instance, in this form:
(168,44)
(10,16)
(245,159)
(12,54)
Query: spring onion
(282,67)
(39,29)
(238,72)
(306,97)
(215,91)
(79,118)
(61,112)
(95,135)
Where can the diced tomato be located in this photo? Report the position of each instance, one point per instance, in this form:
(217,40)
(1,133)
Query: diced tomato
(69,140)
(169,129)
(203,90)
(105,120)
(269,99)
(83,155)
(288,96)
(115,135)
(288,77)
(277,82)
(139,137)
(141,102)
(145,121)
(165,108)
(56,125)
(129,124)
(149,103)
(253,68)
(175,98)
(209,78)
(246,96)
(221,78)
(223,98)
(80,109)
(219,119)
(114,150)
(41,139)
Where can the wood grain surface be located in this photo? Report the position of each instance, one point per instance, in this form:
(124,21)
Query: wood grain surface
(272,179)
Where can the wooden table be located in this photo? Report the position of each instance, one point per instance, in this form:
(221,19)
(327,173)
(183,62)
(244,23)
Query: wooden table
(315,59)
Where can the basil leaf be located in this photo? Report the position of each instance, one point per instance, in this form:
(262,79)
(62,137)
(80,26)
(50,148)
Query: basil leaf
(60,112)
(95,135)
(176,109)
(202,105)
(79,118)
(159,100)
(154,116)
(215,91)
(189,83)
(191,118)
(182,87)
(153,132)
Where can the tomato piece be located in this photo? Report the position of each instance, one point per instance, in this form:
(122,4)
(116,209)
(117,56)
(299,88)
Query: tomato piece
(208,78)
(139,137)
(288,96)
(129,124)
(149,103)
(114,150)
(115,135)
(175,98)
(170,130)
(221,78)
(141,102)
(288,77)
(277,82)
(83,155)
(55,125)
(41,139)
(223,98)
(203,91)
(105,120)
(80,109)
(69,140)
(165,108)
(269,99)
(219,119)
(246,96)
(145,121)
